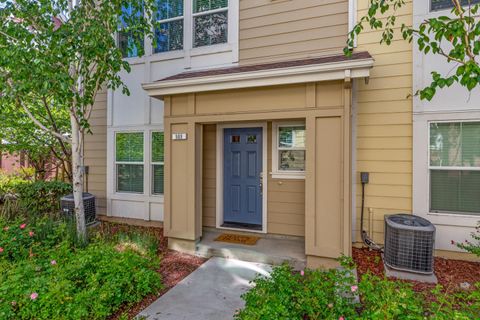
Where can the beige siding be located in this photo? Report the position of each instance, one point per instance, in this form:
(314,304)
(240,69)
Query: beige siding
(282,30)
(384,128)
(96,153)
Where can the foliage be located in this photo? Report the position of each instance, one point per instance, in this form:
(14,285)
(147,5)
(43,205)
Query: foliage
(455,38)
(384,299)
(48,277)
(58,55)
(311,294)
(472,246)
(41,148)
(22,197)
(317,294)
(455,305)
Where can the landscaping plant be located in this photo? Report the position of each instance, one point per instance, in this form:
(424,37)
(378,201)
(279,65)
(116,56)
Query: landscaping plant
(330,294)
(45,275)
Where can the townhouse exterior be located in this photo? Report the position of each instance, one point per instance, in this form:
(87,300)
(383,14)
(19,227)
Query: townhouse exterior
(247,117)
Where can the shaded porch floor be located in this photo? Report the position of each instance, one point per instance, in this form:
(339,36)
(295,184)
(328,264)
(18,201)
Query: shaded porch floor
(272,250)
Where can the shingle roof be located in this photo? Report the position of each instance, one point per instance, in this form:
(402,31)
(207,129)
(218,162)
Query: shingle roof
(268,66)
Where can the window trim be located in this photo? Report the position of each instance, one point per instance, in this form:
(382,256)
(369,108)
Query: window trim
(449,168)
(156,163)
(115,163)
(281,174)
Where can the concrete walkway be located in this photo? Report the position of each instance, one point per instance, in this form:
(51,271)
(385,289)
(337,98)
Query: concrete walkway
(211,292)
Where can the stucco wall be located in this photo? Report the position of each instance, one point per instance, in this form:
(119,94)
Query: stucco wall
(384,127)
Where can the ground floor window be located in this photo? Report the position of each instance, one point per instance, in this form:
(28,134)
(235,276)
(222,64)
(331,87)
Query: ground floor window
(454,167)
(129,161)
(288,149)
(158,164)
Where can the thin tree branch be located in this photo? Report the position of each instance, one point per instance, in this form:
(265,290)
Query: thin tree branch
(40,125)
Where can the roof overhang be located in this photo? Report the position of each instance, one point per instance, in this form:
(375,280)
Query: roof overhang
(342,70)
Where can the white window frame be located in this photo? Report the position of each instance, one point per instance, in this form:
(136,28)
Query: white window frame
(156,163)
(281,174)
(115,170)
(204,13)
(447,168)
(421,173)
(182,17)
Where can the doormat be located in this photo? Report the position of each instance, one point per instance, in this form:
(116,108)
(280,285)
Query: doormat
(236,238)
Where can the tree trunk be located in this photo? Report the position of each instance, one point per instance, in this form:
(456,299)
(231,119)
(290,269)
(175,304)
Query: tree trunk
(77,179)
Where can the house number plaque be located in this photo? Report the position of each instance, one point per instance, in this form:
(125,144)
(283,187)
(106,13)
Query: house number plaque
(179,136)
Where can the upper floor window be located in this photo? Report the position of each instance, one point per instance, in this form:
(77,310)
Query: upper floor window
(447,4)
(210,22)
(454,167)
(169,33)
(129,44)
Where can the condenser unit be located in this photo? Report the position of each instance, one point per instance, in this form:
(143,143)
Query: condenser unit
(67,206)
(409,243)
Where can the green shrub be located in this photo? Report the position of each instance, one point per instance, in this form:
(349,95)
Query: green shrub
(472,246)
(385,299)
(32,198)
(460,305)
(311,294)
(47,277)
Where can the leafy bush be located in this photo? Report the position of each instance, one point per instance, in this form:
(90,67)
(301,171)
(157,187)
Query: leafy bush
(310,294)
(31,198)
(316,294)
(384,299)
(44,276)
(472,246)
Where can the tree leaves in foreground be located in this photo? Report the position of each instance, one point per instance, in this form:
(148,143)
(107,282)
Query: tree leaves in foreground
(59,54)
(456,38)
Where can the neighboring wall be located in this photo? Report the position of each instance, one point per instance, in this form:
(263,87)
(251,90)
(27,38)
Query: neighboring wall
(286,197)
(95,153)
(291,29)
(384,127)
(449,104)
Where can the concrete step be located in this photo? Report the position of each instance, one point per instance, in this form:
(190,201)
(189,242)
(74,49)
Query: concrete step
(272,251)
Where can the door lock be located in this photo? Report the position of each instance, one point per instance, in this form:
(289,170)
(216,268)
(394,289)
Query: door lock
(261,183)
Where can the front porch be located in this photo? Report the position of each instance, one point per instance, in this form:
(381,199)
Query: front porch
(224,157)
(270,249)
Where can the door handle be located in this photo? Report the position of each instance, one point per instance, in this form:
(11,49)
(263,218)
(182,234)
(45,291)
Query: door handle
(261,183)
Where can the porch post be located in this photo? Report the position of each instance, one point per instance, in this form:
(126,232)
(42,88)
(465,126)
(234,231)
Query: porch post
(183,181)
(327,187)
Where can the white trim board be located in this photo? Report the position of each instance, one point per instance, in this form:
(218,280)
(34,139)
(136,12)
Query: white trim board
(219,173)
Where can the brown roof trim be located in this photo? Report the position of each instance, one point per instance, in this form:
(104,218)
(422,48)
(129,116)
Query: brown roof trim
(269,66)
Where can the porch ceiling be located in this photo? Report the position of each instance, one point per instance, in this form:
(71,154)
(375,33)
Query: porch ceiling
(327,68)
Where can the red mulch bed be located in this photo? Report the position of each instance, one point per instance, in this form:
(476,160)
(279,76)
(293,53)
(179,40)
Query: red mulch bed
(450,273)
(174,267)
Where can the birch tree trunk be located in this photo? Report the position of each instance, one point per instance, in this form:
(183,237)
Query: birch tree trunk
(77,179)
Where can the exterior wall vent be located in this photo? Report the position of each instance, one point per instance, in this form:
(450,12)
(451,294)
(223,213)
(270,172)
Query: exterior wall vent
(409,243)
(67,206)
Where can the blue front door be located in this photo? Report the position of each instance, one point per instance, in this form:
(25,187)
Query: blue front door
(242,170)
